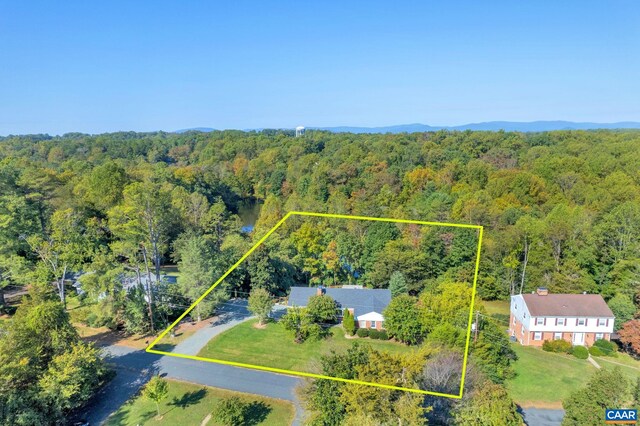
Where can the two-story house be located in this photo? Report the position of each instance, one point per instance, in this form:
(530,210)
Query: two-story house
(577,318)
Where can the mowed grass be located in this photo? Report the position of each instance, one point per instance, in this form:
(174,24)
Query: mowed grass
(545,379)
(274,347)
(496,306)
(189,404)
(629,366)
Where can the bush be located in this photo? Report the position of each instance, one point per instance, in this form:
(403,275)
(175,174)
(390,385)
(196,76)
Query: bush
(231,411)
(608,348)
(373,334)
(596,351)
(363,332)
(580,352)
(559,346)
(382,335)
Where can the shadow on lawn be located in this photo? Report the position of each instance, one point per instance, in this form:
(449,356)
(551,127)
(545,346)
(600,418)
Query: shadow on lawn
(189,399)
(256,413)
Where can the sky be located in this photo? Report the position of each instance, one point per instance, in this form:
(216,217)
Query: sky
(93,67)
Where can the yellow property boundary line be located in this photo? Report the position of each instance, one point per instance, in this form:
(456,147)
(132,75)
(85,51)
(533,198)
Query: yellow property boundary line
(321,376)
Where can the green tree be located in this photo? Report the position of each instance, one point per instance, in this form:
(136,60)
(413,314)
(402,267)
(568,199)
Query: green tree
(322,309)
(348,322)
(402,320)
(607,388)
(197,272)
(331,259)
(450,303)
(144,220)
(73,376)
(623,309)
(65,248)
(493,353)
(231,411)
(308,243)
(261,304)
(301,325)
(397,284)
(487,406)
(156,390)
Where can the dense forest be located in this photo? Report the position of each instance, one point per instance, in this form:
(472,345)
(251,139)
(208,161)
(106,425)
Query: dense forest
(560,209)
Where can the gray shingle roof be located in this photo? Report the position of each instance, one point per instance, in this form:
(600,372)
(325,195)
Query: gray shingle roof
(362,301)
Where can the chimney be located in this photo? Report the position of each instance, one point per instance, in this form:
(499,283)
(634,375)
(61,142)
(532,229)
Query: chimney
(542,291)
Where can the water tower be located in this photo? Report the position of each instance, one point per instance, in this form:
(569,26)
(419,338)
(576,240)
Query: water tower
(299,131)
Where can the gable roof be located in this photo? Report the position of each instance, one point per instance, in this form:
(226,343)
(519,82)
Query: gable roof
(361,300)
(567,305)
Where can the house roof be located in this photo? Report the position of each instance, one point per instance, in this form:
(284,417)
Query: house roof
(361,300)
(567,305)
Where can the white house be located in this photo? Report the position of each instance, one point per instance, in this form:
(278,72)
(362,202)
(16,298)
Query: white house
(577,318)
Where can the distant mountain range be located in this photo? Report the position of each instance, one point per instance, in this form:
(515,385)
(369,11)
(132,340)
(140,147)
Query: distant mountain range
(509,126)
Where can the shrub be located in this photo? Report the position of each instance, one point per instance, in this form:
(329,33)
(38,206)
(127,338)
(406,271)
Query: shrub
(348,322)
(373,334)
(580,352)
(382,335)
(231,411)
(363,332)
(596,351)
(608,348)
(557,346)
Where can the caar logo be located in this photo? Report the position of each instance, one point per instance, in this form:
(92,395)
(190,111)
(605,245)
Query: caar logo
(613,416)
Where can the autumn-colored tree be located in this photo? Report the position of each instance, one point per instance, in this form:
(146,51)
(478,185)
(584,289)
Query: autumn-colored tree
(630,335)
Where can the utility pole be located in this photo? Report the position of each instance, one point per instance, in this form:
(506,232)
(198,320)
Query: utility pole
(475,333)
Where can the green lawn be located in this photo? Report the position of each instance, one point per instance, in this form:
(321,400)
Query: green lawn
(189,404)
(629,366)
(496,306)
(544,379)
(274,347)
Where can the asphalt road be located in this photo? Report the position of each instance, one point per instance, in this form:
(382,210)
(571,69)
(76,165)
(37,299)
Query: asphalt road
(542,417)
(135,367)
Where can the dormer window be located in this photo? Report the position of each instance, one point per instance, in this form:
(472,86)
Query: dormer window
(602,322)
(562,321)
(539,321)
(581,321)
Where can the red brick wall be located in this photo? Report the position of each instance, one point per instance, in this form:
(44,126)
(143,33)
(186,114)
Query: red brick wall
(378,325)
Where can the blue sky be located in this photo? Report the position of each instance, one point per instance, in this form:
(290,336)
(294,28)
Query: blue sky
(166,65)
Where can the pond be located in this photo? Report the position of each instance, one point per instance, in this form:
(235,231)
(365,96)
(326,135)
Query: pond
(249,211)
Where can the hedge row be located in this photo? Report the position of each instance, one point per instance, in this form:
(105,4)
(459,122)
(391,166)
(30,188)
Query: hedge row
(374,334)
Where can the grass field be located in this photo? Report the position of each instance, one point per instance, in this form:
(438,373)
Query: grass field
(629,366)
(274,347)
(189,404)
(495,306)
(544,379)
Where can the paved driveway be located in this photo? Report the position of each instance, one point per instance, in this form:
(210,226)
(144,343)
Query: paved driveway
(135,367)
(542,416)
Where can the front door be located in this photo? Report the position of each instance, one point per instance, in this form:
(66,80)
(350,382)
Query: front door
(578,338)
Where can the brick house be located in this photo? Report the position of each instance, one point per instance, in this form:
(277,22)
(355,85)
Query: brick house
(577,318)
(366,305)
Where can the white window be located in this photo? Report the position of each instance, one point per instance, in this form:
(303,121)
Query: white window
(562,321)
(514,320)
(362,324)
(537,335)
(557,336)
(539,321)
(524,315)
(373,324)
(602,322)
(580,321)
(599,336)
(522,331)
